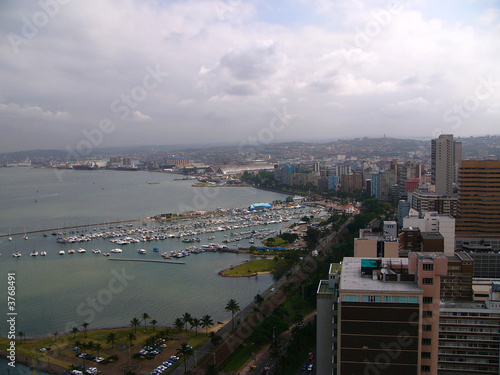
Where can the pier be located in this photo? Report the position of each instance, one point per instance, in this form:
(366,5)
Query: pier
(73,226)
(146,260)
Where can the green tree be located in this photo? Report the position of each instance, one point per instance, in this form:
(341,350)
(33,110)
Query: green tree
(186,318)
(153,323)
(135,323)
(187,352)
(258,299)
(85,325)
(212,370)
(145,318)
(111,338)
(131,338)
(74,331)
(195,322)
(214,338)
(232,306)
(206,322)
(312,237)
(98,347)
(179,324)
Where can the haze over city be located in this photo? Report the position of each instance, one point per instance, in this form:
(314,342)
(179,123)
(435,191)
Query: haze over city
(125,73)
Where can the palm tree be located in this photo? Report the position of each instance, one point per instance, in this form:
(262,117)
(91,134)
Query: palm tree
(91,346)
(206,322)
(21,334)
(55,335)
(233,307)
(153,323)
(186,318)
(165,333)
(74,330)
(135,323)
(131,338)
(111,338)
(145,318)
(187,352)
(85,325)
(214,338)
(78,344)
(98,347)
(179,323)
(195,322)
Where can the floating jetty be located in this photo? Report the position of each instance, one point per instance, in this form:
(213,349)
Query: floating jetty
(146,260)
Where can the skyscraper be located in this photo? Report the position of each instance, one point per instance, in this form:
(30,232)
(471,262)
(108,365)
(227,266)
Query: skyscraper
(445,155)
(478,219)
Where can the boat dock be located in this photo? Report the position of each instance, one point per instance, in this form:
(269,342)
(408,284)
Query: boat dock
(73,226)
(146,260)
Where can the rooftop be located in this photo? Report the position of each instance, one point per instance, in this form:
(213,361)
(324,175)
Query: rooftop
(353,281)
(428,256)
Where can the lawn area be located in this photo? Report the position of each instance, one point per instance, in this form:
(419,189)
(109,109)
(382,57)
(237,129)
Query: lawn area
(238,359)
(275,242)
(251,267)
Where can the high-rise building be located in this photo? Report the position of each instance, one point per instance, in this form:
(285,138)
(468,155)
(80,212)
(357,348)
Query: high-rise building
(380,316)
(443,204)
(478,217)
(445,155)
(469,336)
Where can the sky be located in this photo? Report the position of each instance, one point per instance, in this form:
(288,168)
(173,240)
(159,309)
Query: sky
(78,75)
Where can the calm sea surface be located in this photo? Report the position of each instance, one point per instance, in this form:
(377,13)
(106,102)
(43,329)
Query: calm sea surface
(56,293)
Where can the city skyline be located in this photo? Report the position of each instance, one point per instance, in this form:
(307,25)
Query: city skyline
(120,74)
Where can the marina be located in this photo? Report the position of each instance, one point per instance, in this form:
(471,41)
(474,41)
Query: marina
(65,287)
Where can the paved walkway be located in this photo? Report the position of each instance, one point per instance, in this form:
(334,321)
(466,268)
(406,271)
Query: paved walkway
(247,368)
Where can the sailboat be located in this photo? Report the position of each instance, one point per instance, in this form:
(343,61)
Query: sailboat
(25,236)
(10,237)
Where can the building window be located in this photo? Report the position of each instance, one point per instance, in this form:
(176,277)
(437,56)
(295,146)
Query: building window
(426,327)
(372,299)
(350,298)
(425,368)
(427,281)
(428,267)
(427,300)
(426,341)
(427,314)
(426,355)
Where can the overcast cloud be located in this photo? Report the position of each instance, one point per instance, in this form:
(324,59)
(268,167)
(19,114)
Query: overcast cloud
(180,72)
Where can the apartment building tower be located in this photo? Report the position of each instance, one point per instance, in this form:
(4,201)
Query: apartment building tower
(445,155)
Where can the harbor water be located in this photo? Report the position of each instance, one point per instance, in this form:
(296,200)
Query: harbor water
(56,293)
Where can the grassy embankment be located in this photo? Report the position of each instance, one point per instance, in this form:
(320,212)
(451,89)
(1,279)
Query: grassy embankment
(251,268)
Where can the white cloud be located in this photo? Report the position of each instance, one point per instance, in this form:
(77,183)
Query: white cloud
(229,66)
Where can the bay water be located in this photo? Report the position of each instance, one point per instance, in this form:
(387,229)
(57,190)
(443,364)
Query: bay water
(55,293)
